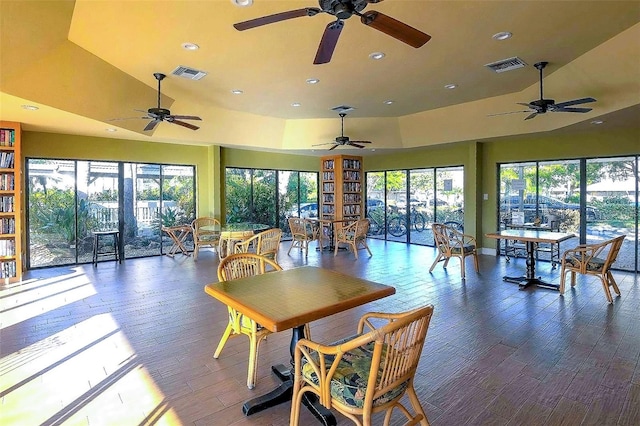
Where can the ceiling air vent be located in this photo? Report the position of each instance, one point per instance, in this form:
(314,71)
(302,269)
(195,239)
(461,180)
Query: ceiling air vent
(507,64)
(190,73)
(342,108)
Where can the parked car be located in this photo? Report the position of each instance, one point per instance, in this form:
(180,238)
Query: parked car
(307,210)
(438,202)
(413,201)
(529,205)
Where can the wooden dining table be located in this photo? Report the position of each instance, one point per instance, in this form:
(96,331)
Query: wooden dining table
(289,299)
(531,238)
(232,233)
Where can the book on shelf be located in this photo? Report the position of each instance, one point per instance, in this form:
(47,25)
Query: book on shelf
(6,204)
(7,137)
(6,160)
(8,269)
(7,248)
(7,225)
(7,182)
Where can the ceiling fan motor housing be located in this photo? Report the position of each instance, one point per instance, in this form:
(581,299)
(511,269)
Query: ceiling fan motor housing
(342,140)
(342,9)
(542,104)
(159,111)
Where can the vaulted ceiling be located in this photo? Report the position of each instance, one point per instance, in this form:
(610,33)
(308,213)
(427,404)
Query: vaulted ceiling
(85,63)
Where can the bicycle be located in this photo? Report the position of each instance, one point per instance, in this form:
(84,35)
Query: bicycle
(398,226)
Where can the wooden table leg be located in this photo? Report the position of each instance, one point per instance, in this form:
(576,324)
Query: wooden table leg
(284,391)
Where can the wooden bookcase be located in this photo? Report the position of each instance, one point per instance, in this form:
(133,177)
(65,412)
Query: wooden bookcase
(341,187)
(10,203)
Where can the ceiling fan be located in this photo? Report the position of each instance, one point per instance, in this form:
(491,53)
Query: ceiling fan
(543,105)
(158,114)
(342,10)
(342,139)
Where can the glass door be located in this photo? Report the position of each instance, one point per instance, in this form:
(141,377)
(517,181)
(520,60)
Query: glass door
(397,205)
(51,216)
(421,215)
(612,198)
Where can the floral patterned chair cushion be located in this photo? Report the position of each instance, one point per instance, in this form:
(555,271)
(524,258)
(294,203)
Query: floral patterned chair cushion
(466,248)
(349,383)
(594,264)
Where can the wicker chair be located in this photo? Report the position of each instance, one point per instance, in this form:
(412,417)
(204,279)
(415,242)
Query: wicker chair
(354,234)
(302,233)
(368,373)
(233,267)
(205,238)
(592,259)
(453,243)
(265,243)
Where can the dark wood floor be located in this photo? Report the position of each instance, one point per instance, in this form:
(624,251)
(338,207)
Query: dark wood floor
(132,344)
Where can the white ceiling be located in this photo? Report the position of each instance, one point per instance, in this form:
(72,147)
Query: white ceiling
(87,62)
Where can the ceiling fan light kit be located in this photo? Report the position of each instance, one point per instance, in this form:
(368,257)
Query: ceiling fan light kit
(343,10)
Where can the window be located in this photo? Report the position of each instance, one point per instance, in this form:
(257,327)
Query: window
(596,199)
(68,200)
(270,197)
(402,204)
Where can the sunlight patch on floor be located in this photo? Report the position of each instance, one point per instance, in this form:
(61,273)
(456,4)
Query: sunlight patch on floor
(30,300)
(85,374)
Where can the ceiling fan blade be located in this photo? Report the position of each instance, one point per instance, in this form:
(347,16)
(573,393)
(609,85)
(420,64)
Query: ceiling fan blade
(394,28)
(361,142)
(574,102)
(334,147)
(277,17)
(571,109)
(152,125)
(356,145)
(506,113)
(532,115)
(186,117)
(328,42)
(184,124)
(127,118)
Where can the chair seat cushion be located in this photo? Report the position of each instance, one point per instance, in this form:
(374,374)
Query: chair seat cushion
(466,248)
(349,383)
(595,264)
(349,236)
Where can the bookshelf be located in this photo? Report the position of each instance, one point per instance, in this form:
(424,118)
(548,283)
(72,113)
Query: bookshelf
(10,203)
(341,187)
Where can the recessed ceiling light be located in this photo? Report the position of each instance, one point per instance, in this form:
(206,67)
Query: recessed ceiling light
(111,129)
(388,102)
(242,3)
(237,92)
(190,46)
(30,107)
(296,104)
(450,86)
(376,55)
(596,122)
(313,81)
(503,35)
